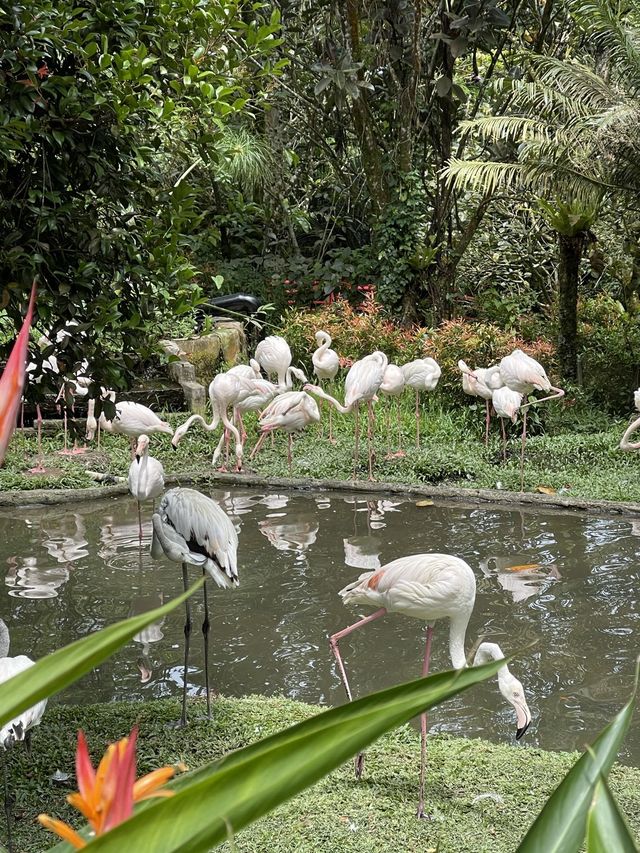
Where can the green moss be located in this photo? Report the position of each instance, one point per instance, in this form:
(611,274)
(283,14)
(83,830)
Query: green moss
(374,815)
(452,452)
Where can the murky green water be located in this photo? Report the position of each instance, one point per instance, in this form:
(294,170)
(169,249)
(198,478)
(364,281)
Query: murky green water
(70,570)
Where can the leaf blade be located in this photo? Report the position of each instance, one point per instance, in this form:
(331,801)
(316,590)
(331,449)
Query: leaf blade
(607,828)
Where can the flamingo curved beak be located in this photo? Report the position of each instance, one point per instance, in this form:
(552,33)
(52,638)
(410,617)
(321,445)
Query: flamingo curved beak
(523,718)
(13,379)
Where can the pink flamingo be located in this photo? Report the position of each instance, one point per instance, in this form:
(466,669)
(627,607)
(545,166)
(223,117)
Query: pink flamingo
(422,375)
(291,412)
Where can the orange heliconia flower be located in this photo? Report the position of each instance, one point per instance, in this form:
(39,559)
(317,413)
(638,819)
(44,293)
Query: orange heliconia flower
(106,795)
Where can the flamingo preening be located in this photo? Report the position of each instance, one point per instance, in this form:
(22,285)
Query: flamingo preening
(146,477)
(428,587)
(193,529)
(290,412)
(422,374)
(326,364)
(481,382)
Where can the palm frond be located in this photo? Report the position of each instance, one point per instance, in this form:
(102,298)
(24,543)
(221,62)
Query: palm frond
(243,157)
(507,128)
(606,26)
(574,80)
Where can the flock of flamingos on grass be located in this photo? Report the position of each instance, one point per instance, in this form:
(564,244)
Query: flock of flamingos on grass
(192,529)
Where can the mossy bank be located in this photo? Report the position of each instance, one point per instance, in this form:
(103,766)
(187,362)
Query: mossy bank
(482,796)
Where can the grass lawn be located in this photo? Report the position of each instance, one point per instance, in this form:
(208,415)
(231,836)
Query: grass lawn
(578,456)
(482,796)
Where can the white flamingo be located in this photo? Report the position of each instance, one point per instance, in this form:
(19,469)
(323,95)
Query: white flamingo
(225,391)
(19,728)
(481,382)
(290,412)
(326,364)
(422,374)
(193,529)
(146,477)
(393,385)
(625,444)
(273,354)
(524,374)
(361,386)
(130,419)
(507,404)
(429,587)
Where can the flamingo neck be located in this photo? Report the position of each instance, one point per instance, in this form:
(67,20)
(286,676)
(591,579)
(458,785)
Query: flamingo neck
(625,444)
(457,633)
(319,392)
(488,652)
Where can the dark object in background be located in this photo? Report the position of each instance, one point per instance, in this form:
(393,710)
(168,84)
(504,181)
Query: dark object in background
(233,306)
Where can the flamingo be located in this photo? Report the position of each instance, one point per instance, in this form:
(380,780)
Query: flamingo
(361,385)
(291,412)
(428,587)
(507,404)
(131,419)
(393,386)
(12,379)
(326,364)
(524,374)
(225,390)
(625,444)
(274,356)
(76,387)
(146,476)
(18,729)
(422,375)
(481,382)
(193,529)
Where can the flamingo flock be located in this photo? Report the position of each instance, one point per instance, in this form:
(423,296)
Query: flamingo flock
(192,529)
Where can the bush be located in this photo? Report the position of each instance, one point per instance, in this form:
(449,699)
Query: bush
(354,333)
(609,340)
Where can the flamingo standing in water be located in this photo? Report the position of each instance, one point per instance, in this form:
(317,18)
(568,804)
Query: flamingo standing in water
(326,364)
(393,386)
(146,477)
(428,587)
(421,375)
(361,386)
(524,374)
(291,412)
(193,529)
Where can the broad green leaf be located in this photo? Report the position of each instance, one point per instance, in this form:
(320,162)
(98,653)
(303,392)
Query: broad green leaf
(561,825)
(607,828)
(247,784)
(64,666)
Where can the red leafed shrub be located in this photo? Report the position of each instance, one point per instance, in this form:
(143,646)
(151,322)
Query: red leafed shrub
(355,333)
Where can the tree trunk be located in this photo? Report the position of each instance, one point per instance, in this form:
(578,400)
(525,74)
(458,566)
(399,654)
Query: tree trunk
(570,250)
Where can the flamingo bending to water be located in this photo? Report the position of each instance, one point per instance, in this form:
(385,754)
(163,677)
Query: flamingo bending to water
(428,587)
(193,529)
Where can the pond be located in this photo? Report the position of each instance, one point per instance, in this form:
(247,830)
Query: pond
(72,569)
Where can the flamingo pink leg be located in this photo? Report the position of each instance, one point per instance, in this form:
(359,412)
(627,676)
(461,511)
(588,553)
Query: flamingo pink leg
(333,642)
(417,419)
(289,453)
(423,725)
(330,425)
(39,468)
(524,441)
(258,445)
(504,441)
(370,448)
(487,423)
(356,448)
(139,523)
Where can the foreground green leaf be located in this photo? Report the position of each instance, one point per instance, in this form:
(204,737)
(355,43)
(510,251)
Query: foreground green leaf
(607,828)
(64,666)
(229,794)
(561,825)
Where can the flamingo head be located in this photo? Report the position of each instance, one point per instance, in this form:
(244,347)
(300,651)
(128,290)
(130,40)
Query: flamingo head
(142,446)
(513,692)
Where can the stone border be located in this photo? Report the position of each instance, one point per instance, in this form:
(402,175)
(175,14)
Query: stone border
(496,497)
